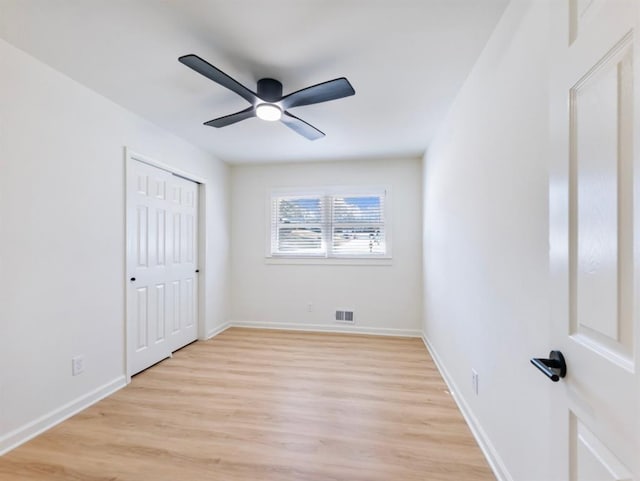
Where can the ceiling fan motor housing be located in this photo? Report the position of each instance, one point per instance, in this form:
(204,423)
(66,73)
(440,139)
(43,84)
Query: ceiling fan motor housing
(269,90)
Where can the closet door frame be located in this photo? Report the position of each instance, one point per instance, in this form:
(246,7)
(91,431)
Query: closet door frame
(131,157)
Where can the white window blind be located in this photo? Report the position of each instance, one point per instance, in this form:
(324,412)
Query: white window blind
(329,224)
(297,225)
(358,225)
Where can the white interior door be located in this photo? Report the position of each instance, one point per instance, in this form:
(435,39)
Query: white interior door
(594,241)
(182,276)
(162,220)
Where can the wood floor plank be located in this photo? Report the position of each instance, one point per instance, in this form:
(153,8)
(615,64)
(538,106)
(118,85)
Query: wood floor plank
(267,405)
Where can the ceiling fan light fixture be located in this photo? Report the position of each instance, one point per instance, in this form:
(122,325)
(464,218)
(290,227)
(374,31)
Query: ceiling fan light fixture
(268,103)
(269,112)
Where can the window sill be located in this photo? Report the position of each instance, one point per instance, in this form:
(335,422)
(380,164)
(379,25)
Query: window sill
(330,261)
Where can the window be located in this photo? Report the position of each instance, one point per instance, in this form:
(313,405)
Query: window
(329,223)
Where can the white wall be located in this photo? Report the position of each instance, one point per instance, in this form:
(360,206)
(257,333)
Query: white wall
(486,304)
(385,298)
(62,238)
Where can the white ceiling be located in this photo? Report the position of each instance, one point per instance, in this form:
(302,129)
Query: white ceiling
(406,59)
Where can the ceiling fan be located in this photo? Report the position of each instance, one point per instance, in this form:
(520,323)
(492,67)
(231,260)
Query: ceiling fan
(269,103)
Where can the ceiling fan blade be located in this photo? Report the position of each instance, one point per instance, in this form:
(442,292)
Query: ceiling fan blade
(330,90)
(301,127)
(205,68)
(232,118)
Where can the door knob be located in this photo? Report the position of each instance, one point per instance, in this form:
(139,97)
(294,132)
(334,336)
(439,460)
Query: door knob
(133,279)
(554,368)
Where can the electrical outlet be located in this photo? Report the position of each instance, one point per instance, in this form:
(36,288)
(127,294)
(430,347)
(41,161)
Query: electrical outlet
(474,381)
(310,307)
(77,365)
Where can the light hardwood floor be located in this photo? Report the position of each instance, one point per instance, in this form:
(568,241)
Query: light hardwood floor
(267,405)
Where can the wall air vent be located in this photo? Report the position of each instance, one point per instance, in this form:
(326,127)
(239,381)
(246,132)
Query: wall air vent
(344,316)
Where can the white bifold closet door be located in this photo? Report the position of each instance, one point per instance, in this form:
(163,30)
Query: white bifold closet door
(162,255)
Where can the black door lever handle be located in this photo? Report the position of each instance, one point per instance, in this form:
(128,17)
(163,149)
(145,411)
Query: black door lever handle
(554,368)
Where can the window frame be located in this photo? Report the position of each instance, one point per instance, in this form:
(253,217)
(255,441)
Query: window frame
(326,194)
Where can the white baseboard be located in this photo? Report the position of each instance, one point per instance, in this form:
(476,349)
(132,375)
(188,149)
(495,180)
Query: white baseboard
(31,430)
(217,330)
(339,328)
(487,447)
